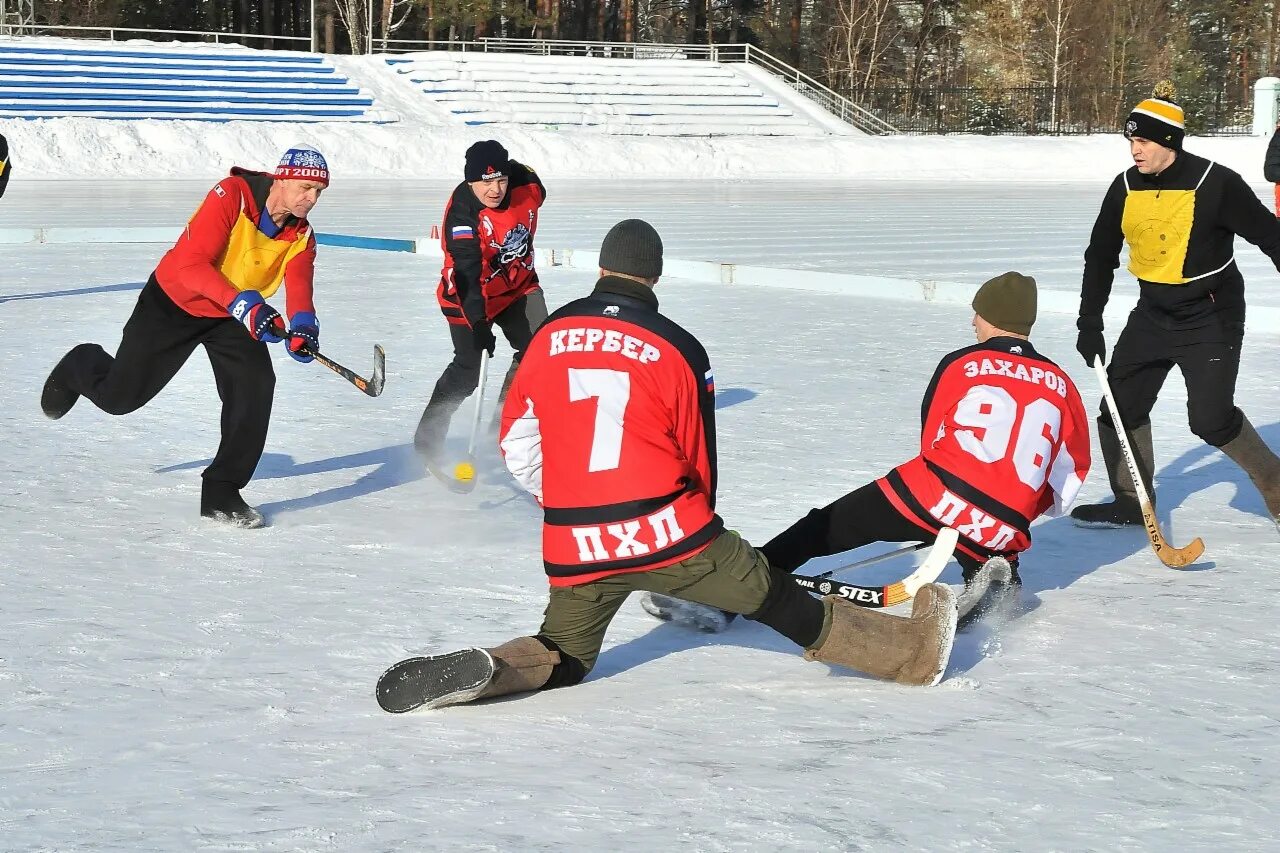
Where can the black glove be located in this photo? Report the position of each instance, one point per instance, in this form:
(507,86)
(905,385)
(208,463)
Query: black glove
(1090,343)
(483,336)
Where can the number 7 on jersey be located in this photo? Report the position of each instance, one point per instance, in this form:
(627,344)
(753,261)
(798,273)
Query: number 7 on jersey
(612,391)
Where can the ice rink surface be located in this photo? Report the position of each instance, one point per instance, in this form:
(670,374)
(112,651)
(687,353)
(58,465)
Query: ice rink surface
(167,684)
(963,231)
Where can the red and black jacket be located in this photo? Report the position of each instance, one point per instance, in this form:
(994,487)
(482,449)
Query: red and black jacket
(610,423)
(488,254)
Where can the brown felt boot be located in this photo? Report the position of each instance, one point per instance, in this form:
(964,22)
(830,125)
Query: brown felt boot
(454,678)
(911,650)
(520,665)
(1251,453)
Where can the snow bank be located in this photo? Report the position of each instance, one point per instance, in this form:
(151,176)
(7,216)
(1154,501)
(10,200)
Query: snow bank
(79,148)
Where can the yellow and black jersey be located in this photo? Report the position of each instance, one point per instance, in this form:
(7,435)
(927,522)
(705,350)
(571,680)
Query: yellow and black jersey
(1180,228)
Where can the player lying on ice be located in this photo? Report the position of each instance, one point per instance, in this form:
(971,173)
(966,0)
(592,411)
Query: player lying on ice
(610,423)
(1004,439)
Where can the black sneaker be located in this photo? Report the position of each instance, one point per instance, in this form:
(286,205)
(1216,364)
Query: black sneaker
(222,502)
(57,398)
(1118,513)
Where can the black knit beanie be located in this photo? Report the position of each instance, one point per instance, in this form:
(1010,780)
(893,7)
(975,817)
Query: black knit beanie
(1158,118)
(486,160)
(1008,302)
(632,247)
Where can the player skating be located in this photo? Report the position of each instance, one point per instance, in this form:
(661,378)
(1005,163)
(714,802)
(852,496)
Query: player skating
(249,237)
(1180,215)
(488,279)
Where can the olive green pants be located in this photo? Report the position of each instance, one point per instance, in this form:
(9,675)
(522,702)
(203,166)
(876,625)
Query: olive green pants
(728,574)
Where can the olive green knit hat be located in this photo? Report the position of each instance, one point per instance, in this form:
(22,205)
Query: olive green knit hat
(1008,302)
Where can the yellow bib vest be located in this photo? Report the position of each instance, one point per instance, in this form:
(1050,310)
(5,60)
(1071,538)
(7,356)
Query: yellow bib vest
(254,261)
(1157,227)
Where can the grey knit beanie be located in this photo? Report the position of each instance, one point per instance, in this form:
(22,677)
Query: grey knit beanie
(632,247)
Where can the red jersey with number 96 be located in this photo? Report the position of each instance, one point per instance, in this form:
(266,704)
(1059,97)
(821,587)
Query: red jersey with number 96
(1004,439)
(610,423)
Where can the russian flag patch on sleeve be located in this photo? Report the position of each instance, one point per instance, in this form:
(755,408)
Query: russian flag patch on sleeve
(711,383)
(463,232)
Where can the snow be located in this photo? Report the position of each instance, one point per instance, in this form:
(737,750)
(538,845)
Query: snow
(148,148)
(168,684)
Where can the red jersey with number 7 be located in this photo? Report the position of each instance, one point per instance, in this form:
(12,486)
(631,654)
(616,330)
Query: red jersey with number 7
(610,423)
(1004,440)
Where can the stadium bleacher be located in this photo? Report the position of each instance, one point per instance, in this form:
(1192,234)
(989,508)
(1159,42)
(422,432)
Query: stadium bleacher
(196,83)
(666,97)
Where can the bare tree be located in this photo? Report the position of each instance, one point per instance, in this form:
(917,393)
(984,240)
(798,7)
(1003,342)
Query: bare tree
(1061,30)
(354,15)
(390,23)
(864,34)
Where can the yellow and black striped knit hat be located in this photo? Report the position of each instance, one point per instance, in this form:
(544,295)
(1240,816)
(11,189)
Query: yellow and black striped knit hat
(1158,118)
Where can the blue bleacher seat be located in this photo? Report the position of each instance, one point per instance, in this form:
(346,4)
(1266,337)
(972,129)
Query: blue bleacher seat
(41,80)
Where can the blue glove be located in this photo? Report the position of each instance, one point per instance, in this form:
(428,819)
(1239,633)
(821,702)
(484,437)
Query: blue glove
(304,337)
(263,322)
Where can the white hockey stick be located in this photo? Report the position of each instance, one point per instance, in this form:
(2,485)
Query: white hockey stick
(878,558)
(464,473)
(1174,558)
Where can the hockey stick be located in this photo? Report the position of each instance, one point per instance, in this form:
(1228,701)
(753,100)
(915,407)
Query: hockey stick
(371,386)
(713,620)
(464,473)
(878,558)
(1174,558)
(940,552)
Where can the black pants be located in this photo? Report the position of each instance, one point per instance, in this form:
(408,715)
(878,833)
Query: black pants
(1209,358)
(158,339)
(518,323)
(859,518)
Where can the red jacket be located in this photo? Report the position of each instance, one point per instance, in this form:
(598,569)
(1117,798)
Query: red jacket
(610,423)
(222,252)
(488,254)
(1005,439)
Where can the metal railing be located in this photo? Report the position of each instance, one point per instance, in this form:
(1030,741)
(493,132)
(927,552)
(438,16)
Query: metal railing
(557,47)
(833,102)
(33,29)
(827,98)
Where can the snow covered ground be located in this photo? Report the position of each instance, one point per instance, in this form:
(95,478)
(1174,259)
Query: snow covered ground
(167,684)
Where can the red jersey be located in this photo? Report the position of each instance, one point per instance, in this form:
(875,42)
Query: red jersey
(610,423)
(1005,439)
(488,253)
(223,252)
